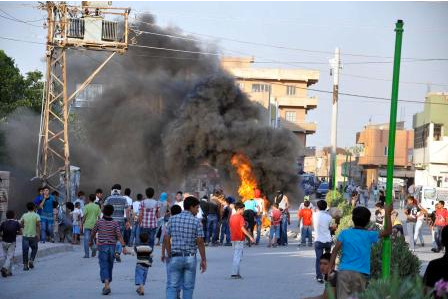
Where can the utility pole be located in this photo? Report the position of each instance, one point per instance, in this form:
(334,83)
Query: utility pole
(387,245)
(70,27)
(335,64)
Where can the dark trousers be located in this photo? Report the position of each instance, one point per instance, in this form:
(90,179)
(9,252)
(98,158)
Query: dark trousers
(27,243)
(225,231)
(212,225)
(319,248)
(438,236)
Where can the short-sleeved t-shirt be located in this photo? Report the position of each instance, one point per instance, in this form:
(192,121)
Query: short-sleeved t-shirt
(236,223)
(412,213)
(91,213)
(29,224)
(441,215)
(120,204)
(356,249)
(10,228)
(307,216)
(251,205)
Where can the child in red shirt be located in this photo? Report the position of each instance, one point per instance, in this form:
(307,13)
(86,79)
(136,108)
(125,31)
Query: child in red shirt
(276,219)
(238,233)
(306,214)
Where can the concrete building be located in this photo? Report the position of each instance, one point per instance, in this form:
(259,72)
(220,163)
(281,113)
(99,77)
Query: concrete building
(431,142)
(373,141)
(283,92)
(317,162)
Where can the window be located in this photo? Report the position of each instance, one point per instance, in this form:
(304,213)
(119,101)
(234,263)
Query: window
(420,136)
(261,88)
(290,90)
(437,132)
(385,150)
(291,116)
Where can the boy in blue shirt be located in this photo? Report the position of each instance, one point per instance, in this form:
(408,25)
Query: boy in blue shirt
(356,244)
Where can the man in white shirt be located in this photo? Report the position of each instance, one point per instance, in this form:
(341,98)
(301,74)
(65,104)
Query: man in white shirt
(127,195)
(321,223)
(259,216)
(179,200)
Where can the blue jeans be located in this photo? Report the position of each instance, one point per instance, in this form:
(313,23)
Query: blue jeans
(306,233)
(284,230)
(140,274)
(319,248)
(151,233)
(181,269)
(225,231)
(212,223)
(274,230)
(135,235)
(46,229)
(106,257)
(118,247)
(27,243)
(258,222)
(87,233)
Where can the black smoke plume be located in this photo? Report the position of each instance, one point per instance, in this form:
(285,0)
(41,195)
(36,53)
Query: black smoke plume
(162,114)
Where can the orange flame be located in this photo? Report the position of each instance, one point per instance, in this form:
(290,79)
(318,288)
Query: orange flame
(248,181)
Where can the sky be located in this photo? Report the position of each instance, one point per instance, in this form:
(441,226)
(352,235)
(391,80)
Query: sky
(364,32)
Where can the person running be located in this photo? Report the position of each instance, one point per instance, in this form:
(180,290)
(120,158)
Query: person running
(144,261)
(121,207)
(276,219)
(412,211)
(46,216)
(91,213)
(321,223)
(238,233)
(30,222)
(109,233)
(307,215)
(440,222)
(184,236)
(148,215)
(9,230)
(356,246)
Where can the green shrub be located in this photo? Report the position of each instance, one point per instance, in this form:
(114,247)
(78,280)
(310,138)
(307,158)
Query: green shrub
(344,223)
(345,208)
(396,287)
(333,198)
(402,259)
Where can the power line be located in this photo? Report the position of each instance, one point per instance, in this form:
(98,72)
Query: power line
(12,18)
(21,40)
(176,50)
(286,48)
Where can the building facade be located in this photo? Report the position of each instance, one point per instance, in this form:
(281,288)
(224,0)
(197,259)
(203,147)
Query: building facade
(373,141)
(283,92)
(431,142)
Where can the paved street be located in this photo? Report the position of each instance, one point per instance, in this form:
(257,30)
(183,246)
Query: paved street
(283,272)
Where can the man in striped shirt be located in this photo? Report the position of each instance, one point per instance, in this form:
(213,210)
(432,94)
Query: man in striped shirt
(109,233)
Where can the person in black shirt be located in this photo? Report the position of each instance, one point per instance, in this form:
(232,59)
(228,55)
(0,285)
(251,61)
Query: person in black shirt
(438,269)
(9,230)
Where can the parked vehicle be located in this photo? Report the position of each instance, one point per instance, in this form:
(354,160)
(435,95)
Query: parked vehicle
(322,190)
(429,196)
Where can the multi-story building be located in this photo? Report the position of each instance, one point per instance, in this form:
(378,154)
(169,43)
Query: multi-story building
(373,141)
(283,92)
(431,142)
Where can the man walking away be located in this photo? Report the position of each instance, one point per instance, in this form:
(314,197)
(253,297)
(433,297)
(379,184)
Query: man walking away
(127,195)
(238,233)
(109,232)
(306,214)
(148,215)
(91,214)
(225,224)
(135,212)
(30,222)
(121,207)
(212,223)
(321,222)
(9,230)
(183,237)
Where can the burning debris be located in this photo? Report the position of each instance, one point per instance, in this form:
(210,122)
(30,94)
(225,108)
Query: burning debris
(248,181)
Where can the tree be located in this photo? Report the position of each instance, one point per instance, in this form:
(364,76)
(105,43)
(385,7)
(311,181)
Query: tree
(17,91)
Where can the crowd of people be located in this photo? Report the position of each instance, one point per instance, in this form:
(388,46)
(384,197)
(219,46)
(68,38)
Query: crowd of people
(117,224)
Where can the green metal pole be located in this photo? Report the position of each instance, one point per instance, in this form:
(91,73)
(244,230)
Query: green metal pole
(387,246)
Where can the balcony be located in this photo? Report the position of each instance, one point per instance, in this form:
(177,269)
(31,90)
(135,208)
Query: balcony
(293,101)
(298,127)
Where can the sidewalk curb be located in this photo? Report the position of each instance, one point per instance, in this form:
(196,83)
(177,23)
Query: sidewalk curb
(44,252)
